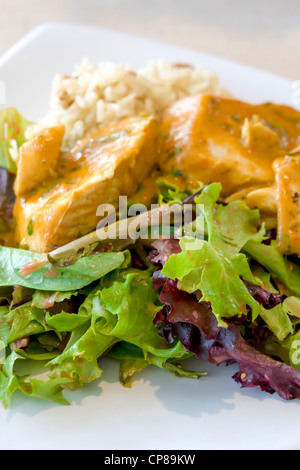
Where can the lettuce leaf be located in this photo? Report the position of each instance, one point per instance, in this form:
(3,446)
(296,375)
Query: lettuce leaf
(120,309)
(170,193)
(229,226)
(220,271)
(83,272)
(10,382)
(12,128)
(79,361)
(132,360)
(196,326)
(285,273)
(25,321)
(278,321)
(131,303)
(215,267)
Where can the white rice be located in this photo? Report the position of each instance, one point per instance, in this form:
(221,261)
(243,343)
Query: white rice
(96,95)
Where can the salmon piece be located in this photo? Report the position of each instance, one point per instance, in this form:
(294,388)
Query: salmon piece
(287,172)
(111,162)
(212,139)
(37,159)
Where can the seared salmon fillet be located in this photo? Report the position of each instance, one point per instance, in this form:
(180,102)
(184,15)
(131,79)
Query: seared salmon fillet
(38,159)
(287,171)
(214,139)
(111,162)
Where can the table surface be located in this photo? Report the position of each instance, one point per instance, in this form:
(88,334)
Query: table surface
(261,33)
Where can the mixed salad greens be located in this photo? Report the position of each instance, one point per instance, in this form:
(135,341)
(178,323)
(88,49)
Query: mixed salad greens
(228,296)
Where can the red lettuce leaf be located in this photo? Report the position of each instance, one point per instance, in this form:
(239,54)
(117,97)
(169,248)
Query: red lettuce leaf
(196,327)
(267,299)
(7,199)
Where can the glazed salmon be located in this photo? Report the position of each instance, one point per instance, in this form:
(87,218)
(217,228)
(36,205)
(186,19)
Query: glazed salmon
(215,139)
(287,171)
(111,162)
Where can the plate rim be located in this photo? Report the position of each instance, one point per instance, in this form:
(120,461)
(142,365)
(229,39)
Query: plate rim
(49,25)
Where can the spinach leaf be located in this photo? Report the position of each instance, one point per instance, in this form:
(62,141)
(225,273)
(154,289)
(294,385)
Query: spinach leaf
(49,278)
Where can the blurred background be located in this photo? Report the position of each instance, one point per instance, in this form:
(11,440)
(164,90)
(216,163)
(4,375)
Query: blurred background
(261,33)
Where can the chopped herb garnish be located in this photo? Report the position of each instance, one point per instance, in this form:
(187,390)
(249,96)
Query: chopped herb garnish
(174,153)
(188,192)
(76,168)
(30,228)
(140,187)
(165,135)
(178,173)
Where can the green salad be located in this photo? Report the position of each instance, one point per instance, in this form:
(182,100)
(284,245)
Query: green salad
(222,295)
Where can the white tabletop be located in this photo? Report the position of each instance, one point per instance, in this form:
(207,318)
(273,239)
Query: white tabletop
(261,33)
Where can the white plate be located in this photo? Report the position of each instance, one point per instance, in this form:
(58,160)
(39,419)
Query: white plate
(160,411)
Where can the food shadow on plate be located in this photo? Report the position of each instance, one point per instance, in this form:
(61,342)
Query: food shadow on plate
(32,406)
(210,394)
(187,396)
